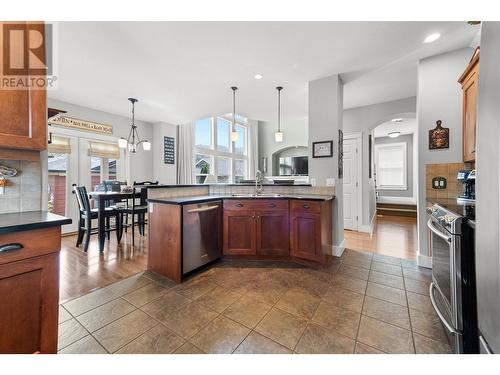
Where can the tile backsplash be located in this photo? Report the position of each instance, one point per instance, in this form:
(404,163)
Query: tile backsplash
(23,192)
(448,171)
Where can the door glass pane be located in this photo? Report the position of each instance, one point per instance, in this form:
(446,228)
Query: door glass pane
(95,172)
(203,133)
(223,137)
(112,169)
(239,145)
(203,166)
(57,165)
(223,170)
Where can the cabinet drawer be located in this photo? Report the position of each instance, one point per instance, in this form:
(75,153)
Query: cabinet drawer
(256,204)
(34,243)
(305,206)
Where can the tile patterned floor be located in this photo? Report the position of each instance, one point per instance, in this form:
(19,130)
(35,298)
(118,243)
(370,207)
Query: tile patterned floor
(360,303)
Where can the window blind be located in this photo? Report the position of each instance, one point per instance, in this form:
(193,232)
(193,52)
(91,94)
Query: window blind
(59,145)
(104,150)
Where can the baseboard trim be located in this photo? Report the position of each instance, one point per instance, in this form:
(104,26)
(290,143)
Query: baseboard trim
(369,228)
(424,261)
(396,200)
(338,250)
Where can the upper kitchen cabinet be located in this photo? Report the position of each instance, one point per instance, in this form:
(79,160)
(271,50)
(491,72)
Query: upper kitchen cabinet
(469,82)
(23,112)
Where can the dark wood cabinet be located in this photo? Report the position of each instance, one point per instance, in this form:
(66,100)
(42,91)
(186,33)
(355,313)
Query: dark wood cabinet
(469,82)
(29,292)
(23,113)
(239,232)
(273,234)
(310,230)
(305,230)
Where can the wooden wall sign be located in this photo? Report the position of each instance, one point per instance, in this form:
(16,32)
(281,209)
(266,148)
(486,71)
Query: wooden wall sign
(169,150)
(439,137)
(73,123)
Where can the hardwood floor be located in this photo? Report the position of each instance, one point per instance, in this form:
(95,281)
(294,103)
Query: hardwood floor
(392,235)
(82,272)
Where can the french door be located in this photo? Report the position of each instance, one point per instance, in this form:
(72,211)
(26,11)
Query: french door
(70,163)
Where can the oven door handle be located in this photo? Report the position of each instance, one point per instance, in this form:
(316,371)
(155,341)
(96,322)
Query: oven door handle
(436,232)
(439,313)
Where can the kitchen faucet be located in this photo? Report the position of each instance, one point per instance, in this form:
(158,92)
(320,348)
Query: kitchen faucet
(258,182)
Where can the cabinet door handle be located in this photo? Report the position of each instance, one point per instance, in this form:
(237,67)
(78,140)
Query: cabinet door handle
(306,206)
(272,205)
(10,247)
(239,205)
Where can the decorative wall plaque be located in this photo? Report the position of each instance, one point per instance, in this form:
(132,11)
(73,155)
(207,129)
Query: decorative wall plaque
(169,150)
(341,154)
(74,123)
(439,137)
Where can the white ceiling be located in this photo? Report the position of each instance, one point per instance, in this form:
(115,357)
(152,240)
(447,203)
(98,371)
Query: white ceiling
(181,71)
(407,126)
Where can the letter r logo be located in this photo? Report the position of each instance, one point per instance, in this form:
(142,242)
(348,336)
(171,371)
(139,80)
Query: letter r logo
(23,49)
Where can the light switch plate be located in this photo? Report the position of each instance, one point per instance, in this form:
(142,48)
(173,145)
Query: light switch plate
(330,181)
(151,208)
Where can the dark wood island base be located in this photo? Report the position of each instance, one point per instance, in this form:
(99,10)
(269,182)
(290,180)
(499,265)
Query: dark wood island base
(297,229)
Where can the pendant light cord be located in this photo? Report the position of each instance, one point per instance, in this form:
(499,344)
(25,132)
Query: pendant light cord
(279,88)
(234,88)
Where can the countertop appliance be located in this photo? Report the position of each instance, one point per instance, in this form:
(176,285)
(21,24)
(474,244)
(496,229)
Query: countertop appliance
(202,234)
(453,287)
(468,179)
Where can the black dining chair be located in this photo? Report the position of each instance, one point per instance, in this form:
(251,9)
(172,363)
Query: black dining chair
(138,209)
(86,214)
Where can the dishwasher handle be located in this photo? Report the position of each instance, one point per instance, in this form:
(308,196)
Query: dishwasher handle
(203,209)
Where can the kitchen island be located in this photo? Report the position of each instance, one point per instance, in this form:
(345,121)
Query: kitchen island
(188,232)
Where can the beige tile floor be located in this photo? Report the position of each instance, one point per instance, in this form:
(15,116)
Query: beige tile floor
(359,303)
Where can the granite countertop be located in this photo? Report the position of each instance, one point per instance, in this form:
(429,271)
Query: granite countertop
(206,198)
(199,185)
(20,221)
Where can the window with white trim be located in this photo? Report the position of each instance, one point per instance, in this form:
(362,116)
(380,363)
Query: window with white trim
(391,164)
(217,159)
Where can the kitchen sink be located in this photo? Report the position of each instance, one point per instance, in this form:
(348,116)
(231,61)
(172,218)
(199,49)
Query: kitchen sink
(263,195)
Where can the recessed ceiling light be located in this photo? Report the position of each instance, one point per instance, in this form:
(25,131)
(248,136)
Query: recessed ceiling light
(258,76)
(432,38)
(394,134)
(397,120)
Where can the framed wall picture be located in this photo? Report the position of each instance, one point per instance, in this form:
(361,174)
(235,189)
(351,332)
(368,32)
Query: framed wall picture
(439,137)
(168,150)
(323,149)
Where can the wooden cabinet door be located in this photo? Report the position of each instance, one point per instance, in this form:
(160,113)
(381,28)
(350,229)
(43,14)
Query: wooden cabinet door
(273,232)
(239,232)
(29,297)
(305,234)
(23,113)
(469,118)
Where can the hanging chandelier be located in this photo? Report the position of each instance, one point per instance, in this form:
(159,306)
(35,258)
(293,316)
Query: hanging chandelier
(234,133)
(133,140)
(278,136)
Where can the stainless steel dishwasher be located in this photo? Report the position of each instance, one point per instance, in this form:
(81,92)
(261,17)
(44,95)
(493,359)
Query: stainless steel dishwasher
(201,234)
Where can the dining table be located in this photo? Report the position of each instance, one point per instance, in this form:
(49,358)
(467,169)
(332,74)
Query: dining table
(105,196)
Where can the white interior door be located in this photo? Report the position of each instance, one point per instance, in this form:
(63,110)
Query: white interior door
(351,184)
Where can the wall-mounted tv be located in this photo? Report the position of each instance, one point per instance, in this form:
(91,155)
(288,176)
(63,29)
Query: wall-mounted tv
(293,166)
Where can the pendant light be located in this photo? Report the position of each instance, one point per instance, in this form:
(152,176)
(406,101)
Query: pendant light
(131,141)
(278,136)
(234,134)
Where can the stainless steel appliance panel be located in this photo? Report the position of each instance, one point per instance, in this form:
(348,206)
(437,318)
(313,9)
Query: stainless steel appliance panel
(202,234)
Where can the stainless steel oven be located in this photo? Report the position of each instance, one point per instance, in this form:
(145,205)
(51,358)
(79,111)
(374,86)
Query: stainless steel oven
(445,233)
